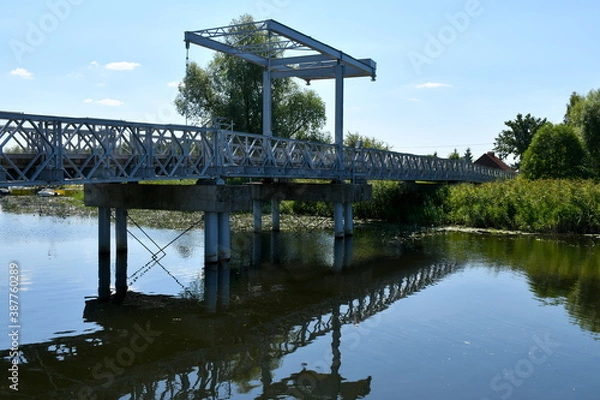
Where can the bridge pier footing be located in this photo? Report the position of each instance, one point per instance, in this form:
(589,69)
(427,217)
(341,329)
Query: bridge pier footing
(104,252)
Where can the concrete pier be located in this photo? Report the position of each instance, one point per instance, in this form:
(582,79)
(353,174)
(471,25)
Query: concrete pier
(217,201)
(224,237)
(275,215)
(338,220)
(103,254)
(342,195)
(211,237)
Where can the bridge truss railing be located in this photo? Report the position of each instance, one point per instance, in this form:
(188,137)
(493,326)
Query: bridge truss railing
(39,150)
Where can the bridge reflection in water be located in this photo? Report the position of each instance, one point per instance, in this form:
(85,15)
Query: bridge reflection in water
(235,335)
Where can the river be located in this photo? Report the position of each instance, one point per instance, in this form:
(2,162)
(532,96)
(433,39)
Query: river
(299,315)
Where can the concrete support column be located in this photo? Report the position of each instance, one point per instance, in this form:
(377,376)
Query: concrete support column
(257,213)
(275,215)
(348,220)
(121,275)
(338,219)
(224,237)
(121,229)
(211,237)
(104,230)
(121,242)
(103,253)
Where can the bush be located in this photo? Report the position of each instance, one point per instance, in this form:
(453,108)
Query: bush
(404,203)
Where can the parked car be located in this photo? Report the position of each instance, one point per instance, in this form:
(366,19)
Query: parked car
(4,191)
(47,193)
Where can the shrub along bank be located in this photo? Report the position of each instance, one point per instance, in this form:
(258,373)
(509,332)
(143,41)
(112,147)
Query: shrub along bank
(539,206)
(545,206)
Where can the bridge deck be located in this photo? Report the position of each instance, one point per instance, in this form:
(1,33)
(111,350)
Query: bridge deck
(52,150)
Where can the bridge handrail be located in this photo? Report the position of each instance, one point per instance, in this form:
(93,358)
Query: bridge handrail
(39,149)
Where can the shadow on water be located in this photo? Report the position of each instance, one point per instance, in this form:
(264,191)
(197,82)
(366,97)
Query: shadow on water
(232,333)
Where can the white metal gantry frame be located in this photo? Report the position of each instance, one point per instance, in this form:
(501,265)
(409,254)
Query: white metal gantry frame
(286,53)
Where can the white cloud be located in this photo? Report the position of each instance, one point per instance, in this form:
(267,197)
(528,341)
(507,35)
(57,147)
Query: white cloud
(21,73)
(432,85)
(173,84)
(104,102)
(122,66)
(94,64)
(110,102)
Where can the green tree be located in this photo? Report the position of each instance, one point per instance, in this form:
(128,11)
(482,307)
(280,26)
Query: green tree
(590,132)
(454,155)
(515,140)
(555,152)
(355,140)
(573,114)
(583,113)
(468,156)
(231,87)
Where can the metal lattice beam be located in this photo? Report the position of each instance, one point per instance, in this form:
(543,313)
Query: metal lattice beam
(308,54)
(40,150)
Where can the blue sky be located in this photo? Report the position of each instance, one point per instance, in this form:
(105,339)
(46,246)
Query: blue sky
(449,72)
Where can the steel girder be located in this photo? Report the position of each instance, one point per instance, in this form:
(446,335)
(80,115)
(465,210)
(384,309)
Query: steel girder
(40,150)
(308,58)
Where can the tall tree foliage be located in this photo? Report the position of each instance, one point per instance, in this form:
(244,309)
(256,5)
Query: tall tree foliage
(516,139)
(574,106)
(232,88)
(357,140)
(555,152)
(583,113)
(468,156)
(454,155)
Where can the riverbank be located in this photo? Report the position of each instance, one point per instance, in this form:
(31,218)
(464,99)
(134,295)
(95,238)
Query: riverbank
(558,206)
(63,207)
(518,206)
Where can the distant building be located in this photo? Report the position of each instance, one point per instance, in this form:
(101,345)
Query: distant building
(489,159)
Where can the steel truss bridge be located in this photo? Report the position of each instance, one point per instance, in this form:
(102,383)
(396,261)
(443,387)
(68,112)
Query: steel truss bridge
(53,150)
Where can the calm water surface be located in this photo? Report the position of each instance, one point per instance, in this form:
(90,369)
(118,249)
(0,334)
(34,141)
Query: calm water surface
(300,316)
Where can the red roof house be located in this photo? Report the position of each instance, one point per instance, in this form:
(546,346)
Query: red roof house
(489,159)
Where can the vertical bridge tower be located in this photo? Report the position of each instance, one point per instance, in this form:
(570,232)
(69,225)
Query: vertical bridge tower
(286,53)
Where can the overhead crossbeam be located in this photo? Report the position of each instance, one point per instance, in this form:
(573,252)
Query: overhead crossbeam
(284,52)
(308,54)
